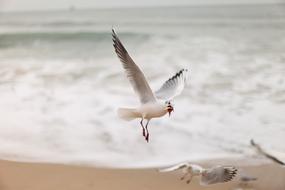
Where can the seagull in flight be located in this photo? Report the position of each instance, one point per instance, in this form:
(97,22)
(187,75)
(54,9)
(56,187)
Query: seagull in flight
(216,174)
(266,154)
(153,104)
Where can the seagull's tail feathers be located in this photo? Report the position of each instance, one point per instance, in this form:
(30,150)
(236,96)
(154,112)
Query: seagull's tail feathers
(128,114)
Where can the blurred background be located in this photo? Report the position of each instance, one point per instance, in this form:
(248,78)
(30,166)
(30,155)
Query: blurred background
(61,82)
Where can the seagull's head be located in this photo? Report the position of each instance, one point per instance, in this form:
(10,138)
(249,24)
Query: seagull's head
(169,107)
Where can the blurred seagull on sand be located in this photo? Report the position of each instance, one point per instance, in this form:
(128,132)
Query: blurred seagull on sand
(216,174)
(153,105)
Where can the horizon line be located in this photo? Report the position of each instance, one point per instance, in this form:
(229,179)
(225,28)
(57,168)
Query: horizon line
(74,8)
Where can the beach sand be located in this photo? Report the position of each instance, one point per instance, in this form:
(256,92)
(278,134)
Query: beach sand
(39,176)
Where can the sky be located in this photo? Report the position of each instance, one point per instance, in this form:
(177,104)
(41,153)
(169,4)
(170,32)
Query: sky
(20,5)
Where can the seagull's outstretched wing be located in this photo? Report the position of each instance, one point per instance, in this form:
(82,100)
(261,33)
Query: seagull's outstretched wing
(266,154)
(218,174)
(134,74)
(175,167)
(173,86)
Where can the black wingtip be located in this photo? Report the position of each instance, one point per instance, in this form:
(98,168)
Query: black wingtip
(231,173)
(178,74)
(114,34)
(114,38)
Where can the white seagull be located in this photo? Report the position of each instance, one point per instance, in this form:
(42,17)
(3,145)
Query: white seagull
(153,105)
(217,174)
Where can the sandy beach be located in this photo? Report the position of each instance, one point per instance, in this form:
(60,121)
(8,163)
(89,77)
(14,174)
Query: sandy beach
(35,176)
(62,82)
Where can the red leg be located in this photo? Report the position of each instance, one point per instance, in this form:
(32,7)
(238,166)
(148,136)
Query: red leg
(189,180)
(183,177)
(142,127)
(147,133)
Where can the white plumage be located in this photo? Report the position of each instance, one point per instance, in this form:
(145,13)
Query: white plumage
(216,174)
(153,105)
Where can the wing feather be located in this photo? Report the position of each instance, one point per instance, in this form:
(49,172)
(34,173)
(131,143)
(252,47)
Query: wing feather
(218,174)
(174,167)
(134,74)
(173,86)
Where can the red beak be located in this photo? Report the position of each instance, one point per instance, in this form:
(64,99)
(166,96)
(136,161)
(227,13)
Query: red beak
(170,109)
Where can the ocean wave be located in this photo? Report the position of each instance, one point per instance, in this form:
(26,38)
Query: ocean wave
(36,38)
(66,84)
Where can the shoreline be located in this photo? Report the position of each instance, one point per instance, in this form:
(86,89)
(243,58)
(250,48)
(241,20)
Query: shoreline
(44,176)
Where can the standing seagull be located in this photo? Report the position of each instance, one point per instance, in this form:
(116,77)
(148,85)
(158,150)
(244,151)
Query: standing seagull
(217,174)
(152,104)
